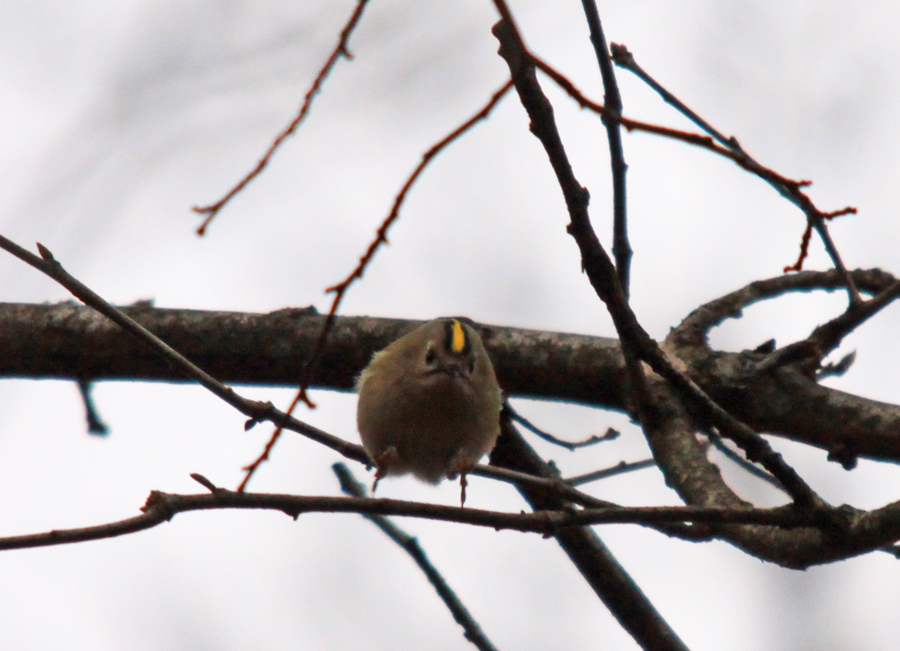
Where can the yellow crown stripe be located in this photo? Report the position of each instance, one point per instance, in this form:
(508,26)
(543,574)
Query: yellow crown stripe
(457,336)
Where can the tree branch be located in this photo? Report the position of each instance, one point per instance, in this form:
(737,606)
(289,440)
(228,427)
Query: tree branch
(786,399)
(789,189)
(71,341)
(636,343)
(613,102)
(410,545)
(340,50)
(162,507)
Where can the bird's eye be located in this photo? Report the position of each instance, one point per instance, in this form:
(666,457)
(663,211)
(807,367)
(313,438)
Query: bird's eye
(430,356)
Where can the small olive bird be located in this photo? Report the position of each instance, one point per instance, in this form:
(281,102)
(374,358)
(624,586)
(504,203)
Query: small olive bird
(429,404)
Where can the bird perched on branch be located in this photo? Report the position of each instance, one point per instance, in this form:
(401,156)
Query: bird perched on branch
(429,404)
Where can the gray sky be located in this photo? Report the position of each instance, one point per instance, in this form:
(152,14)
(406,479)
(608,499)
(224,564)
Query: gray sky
(117,117)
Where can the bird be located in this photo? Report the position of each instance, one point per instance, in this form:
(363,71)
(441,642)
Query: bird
(429,404)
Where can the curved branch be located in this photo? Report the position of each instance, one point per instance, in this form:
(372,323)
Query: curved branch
(777,391)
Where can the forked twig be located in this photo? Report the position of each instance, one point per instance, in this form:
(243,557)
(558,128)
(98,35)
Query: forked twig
(789,189)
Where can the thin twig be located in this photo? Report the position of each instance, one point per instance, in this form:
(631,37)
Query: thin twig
(618,469)
(472,630)
(613,102)
(339,51)
(738,460)
(162,507)
(95,424)
(610,434)
(623,58)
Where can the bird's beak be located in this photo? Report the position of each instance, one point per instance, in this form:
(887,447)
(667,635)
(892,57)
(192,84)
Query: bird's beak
(453,370)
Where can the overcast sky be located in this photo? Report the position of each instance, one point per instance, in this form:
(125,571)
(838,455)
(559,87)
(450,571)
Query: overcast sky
(117,117)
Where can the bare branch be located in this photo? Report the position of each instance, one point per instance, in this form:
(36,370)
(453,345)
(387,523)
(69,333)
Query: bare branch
(410,545)
(789,189)
(636,343)
(620,468)
(610,434)
(162,507)
(339,51)
(613,101)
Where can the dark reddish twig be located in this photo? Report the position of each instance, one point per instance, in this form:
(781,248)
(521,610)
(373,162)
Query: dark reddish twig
(696,139)
(339,51)
(381,233)
(380,238)
(807,234)
(790,190)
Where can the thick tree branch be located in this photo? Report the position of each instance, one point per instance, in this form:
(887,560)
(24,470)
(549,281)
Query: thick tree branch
(777,392)
(71,341)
